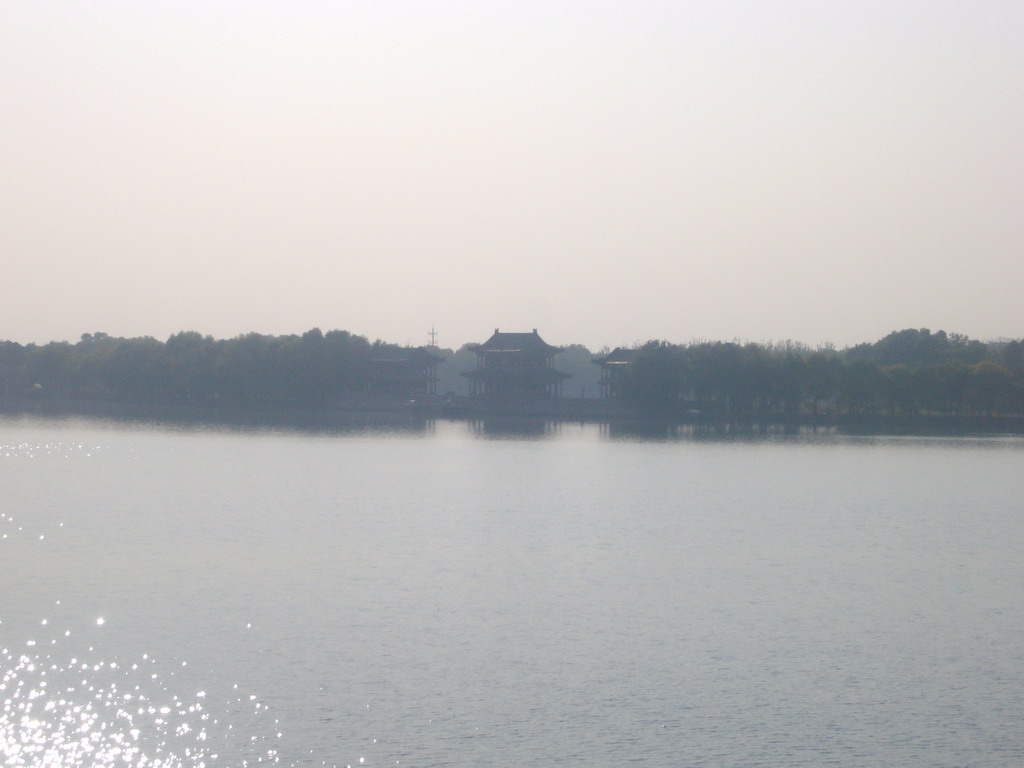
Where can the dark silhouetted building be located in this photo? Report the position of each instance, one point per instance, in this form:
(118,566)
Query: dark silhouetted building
(614,368)
(410,372)
(512,365)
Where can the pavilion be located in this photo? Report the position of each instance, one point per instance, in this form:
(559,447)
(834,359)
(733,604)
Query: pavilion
(515,365)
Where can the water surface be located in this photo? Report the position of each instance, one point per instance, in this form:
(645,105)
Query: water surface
(477,594)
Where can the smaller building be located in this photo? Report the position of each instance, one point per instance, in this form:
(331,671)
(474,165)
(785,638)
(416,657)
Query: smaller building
(515,365)
(614,369)
(410,372)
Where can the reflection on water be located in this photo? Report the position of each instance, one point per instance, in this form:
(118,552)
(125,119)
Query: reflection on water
(341,425)
(412,426)
(515,428)
(413,423)
(659,430)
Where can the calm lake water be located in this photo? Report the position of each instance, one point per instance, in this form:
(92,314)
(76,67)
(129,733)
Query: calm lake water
(463,595)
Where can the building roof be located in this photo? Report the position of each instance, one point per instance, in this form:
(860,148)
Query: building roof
(517,342)
(618,356)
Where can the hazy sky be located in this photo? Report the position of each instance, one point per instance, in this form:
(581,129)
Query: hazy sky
(608,172)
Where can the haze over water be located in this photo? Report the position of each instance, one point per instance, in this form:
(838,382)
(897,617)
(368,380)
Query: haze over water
(454,595)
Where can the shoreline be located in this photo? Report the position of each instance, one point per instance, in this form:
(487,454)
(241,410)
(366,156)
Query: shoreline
(397,412)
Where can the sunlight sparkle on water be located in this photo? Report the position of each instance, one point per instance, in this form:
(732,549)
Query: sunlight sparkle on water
(70,699)
(61,708)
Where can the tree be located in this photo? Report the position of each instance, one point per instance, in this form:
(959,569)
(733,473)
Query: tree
(990,387)
(822,372)
(656,378)
(859,386)
(898,390)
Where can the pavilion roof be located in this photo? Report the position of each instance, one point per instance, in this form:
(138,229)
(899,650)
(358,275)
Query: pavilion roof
(517,342)
(618,356)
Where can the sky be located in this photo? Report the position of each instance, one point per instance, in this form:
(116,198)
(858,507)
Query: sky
(605,172)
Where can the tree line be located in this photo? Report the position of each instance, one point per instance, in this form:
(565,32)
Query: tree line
(248,370)
(907,372)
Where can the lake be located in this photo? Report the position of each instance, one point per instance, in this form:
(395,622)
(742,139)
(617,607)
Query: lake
(468,594)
